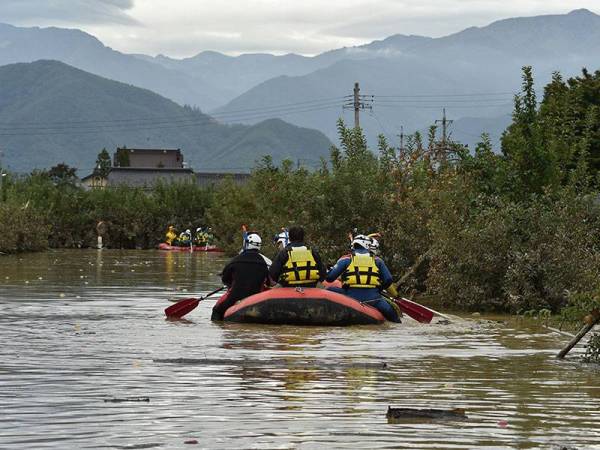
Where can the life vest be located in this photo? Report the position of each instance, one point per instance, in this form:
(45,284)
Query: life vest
(171,236)
(362,272)
(300,267)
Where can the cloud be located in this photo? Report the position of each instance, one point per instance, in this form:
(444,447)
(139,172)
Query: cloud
(186,27)
(66,12)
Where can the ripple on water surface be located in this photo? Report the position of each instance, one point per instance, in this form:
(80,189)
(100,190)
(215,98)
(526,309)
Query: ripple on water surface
(82,327)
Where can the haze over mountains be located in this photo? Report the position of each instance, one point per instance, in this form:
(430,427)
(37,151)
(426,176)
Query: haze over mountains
(473,74)
(51,112)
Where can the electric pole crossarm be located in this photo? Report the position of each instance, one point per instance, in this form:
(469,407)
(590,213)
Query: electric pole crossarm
(359,102)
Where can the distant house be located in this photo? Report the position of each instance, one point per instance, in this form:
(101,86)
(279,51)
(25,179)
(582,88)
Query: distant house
(144,167)
(94,181)
(156,158)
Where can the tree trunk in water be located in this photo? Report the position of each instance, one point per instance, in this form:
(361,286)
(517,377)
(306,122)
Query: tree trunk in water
(578,336)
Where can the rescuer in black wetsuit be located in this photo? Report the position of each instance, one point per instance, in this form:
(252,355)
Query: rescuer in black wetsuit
(244,275)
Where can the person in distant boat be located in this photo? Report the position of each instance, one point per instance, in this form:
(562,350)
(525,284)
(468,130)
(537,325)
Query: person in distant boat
(171,235)
(201,238)
(297,265)
(245,275)
(364,276)
(184,238)
(210,237)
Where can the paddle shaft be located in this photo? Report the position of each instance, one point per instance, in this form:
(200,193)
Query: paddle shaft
(433,311)
(187,305)
(412,309)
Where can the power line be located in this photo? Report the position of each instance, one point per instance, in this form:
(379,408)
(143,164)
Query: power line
(308,103)
(438,106)
(470,94)
(47,131)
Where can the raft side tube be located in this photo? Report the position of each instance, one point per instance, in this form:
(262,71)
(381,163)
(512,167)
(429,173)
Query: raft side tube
(307,306)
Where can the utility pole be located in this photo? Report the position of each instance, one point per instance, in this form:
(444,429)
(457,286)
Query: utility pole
(401,136)
(2,175)
(359,102)
(445,123)
(356,105)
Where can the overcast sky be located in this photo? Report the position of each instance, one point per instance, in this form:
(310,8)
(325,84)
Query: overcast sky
(185,27)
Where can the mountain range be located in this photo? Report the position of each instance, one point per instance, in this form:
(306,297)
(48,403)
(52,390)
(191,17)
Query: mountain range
(51,112)
(406,80)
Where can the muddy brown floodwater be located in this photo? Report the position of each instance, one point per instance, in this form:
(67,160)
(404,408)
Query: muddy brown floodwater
(81,327)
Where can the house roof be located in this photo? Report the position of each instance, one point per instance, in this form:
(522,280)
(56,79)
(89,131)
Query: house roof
(152,150)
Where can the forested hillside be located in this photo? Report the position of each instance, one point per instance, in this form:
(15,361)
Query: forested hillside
(51,112)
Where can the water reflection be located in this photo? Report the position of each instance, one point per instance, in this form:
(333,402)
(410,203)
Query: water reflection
(92,328)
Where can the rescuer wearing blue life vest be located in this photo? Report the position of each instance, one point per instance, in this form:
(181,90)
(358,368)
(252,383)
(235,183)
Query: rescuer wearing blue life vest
(364,276)
(297,265)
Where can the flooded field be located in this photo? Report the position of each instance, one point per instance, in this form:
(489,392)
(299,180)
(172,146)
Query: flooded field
(81,328)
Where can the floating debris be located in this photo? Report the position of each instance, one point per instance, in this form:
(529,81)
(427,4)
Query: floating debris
(396,415)
(502,423)
(127,399)
(191,441)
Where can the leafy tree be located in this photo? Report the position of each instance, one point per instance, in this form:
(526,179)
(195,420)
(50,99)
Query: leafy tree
(103,164)
(62,174)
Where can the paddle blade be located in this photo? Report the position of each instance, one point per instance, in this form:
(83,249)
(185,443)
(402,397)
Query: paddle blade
(181,308)
(414,310)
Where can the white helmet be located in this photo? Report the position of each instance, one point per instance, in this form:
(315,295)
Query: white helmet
(188,231)
(374,248)
(253,242)
(198,229)
(363,241)
(282,238)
